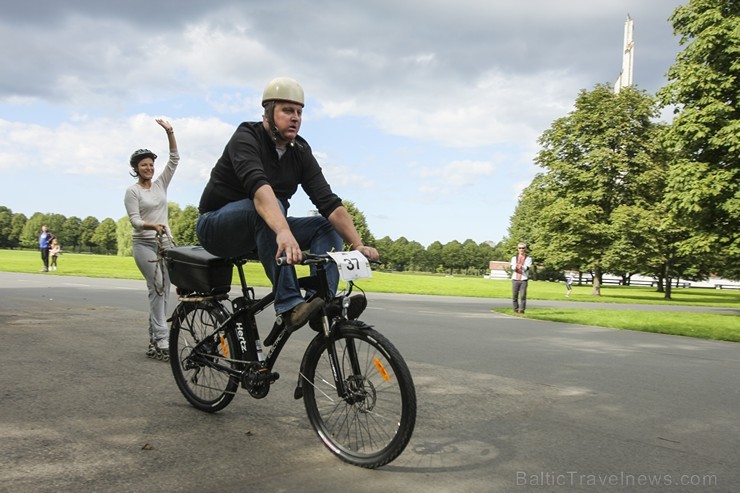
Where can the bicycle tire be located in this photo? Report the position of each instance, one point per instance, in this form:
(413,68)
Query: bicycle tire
(205,387)
(375,429)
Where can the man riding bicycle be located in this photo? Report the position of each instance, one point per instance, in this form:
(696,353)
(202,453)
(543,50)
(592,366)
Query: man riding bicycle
(244,205)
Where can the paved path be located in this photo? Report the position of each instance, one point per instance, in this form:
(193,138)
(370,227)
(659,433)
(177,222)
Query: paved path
(505,404)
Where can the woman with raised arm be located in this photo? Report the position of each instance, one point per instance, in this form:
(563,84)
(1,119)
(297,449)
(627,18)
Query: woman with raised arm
(146,205)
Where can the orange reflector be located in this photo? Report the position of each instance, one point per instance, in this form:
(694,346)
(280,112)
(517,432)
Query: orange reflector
(381,369)
(224,347)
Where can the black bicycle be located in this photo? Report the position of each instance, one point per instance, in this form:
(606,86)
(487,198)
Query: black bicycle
(356,386)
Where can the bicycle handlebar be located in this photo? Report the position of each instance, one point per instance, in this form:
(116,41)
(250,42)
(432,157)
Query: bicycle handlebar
(316,258)
(308,258)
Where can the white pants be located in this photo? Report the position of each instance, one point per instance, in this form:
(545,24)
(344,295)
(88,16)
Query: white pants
(158,284)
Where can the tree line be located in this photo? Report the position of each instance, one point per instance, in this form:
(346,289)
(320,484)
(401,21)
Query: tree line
(114,237)
(75,234)
(89,235)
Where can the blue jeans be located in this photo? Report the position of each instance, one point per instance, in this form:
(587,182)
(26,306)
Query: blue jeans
(236,229)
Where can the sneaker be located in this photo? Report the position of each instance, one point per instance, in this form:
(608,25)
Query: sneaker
(302,313)
(357,305)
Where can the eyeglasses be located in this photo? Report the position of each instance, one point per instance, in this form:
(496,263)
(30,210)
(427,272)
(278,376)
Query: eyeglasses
(522,248)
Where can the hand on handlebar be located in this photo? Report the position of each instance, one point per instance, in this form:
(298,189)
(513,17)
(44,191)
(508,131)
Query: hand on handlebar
(288,248)
(369,252)
(317,258)
(305,257)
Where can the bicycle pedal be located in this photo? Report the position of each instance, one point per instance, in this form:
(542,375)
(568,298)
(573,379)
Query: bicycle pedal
(266,376)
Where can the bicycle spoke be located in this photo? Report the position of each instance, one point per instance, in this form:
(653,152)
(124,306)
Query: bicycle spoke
(323,382)
(198,347)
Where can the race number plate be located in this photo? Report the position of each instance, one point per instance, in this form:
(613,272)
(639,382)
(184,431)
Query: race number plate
(352,265)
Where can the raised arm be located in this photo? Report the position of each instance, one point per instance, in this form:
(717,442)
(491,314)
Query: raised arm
(170,133)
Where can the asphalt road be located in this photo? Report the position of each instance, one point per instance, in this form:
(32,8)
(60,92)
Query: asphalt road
(505,404)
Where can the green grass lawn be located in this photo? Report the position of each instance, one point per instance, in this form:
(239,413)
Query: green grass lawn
(541,290)
(107,266)
(702,325)
(710,326)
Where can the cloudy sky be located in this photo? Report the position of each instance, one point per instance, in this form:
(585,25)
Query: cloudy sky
(425,114)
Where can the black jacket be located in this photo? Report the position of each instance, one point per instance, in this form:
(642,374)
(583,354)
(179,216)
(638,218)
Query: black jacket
(250,160)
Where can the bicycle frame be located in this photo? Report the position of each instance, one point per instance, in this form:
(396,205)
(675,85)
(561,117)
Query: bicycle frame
(243,321)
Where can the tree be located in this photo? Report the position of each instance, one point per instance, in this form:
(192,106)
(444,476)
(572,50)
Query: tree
(87,230)
(70,235)
(16,226)
(485,254)
(105,236)
(55,222)
(593,160)
(648,236)
(183,229)
(397,254)
(498,251)
(473,257)
(360,223)
(386,250)
(526,220)
(704,184)
(173,212)
(452,256)
(6,227)
(31,230)
(633,243)
(415,255)
(433,257)
(124,241)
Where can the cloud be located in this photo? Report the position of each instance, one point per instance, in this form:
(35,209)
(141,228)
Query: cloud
(341,176)
(452,177)
(444,50)
(496,108)
(102,146)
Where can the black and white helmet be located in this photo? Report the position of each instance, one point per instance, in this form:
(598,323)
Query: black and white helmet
(140,154)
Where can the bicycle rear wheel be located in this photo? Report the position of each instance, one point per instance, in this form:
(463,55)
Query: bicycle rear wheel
(373,424)
(198,377)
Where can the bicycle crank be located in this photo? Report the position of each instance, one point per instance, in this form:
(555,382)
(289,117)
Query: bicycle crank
(257,380)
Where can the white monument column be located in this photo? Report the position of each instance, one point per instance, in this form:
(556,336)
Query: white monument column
(628,57)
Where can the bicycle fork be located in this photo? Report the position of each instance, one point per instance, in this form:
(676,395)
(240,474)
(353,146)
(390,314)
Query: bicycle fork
(348,388)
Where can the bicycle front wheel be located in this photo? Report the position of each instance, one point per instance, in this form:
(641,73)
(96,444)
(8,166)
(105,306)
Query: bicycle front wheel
(197,349)
(372,424)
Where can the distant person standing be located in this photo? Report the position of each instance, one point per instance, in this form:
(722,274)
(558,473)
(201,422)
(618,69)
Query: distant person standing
(146,205)
(45,239)
(54,253)
(569,284)
(520,264)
